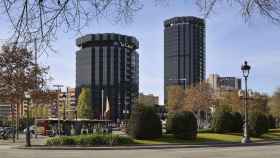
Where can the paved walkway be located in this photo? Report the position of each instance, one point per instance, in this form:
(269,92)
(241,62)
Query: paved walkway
(263,151)
(21,141)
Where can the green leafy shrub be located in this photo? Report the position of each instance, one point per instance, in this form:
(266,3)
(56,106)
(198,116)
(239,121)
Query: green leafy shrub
(53,141)
(258,124)
(222,121)
(183,125)
(90,140)
(144,123)
(237,122)
(121,140)
(272,122)
(169,119)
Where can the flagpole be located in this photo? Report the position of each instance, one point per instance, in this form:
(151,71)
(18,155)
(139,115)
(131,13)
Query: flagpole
(102,114)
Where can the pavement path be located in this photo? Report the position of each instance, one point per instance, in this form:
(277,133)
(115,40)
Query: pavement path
(266,151)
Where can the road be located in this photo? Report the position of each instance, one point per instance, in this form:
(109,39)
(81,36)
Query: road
(268,151)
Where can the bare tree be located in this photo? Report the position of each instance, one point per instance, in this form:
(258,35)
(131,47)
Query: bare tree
(230,99)
(259,102)
(274,104)
(199,98)
(175,101)
(19,73)
(267,8)
(41,19)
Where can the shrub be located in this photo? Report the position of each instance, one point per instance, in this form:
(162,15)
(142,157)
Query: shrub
(237,122)
(53,141)
(272,122)
(90,140)
(121,140)
(144,123)
(258,124)
(169,119)
(222,121)
(183,125)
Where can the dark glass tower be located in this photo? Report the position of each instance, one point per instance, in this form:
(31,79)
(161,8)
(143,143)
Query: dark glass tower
(184,51)
(110,62)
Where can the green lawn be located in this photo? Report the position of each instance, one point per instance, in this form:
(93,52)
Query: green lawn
(211,137)
(273,134)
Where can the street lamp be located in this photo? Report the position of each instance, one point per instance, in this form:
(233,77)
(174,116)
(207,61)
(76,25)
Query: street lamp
(28,98)
(246,70)
(64,110)
(126,114)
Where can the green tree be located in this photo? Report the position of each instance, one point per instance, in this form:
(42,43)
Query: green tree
(84,104)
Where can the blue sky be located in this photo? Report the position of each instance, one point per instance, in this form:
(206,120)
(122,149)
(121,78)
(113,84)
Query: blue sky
(229,41)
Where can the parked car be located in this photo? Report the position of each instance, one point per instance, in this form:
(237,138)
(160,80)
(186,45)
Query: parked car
(32,129)
(6,132)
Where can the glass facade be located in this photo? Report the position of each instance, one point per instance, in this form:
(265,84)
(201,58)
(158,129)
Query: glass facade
(109,62)
(184,51)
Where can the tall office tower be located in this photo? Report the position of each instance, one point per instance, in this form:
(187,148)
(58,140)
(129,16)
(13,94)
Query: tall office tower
(184,51)
(108,63)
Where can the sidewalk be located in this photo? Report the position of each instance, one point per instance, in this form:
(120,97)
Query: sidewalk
(158,146)
(39,141)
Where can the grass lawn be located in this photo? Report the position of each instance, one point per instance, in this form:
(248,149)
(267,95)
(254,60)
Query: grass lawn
(273,134)
(211,137)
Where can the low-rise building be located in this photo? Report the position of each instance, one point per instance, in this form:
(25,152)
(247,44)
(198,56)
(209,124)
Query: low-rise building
(225,83)
(149,99)
(65,101)
(5,110)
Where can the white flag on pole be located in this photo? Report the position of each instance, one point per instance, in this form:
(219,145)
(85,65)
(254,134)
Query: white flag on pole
(107,110)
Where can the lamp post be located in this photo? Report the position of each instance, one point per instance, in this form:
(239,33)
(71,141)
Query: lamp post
(28,98)
(126,114)
(246,70)
(64,110)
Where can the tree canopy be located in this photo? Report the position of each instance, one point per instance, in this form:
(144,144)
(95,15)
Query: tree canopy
(41,19)
(84,109)
(19,73)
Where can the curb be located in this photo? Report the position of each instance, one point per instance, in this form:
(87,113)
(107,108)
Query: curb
(139,147)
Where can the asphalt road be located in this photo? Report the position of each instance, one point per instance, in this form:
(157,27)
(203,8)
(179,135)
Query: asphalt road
(268,151)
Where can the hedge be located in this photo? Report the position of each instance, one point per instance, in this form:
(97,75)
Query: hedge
(183,125)
(258,124)
(90,140)
(222,122)
(144,123)
(272,122)
(237,122)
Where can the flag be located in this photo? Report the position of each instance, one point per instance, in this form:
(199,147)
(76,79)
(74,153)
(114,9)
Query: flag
(107,110)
